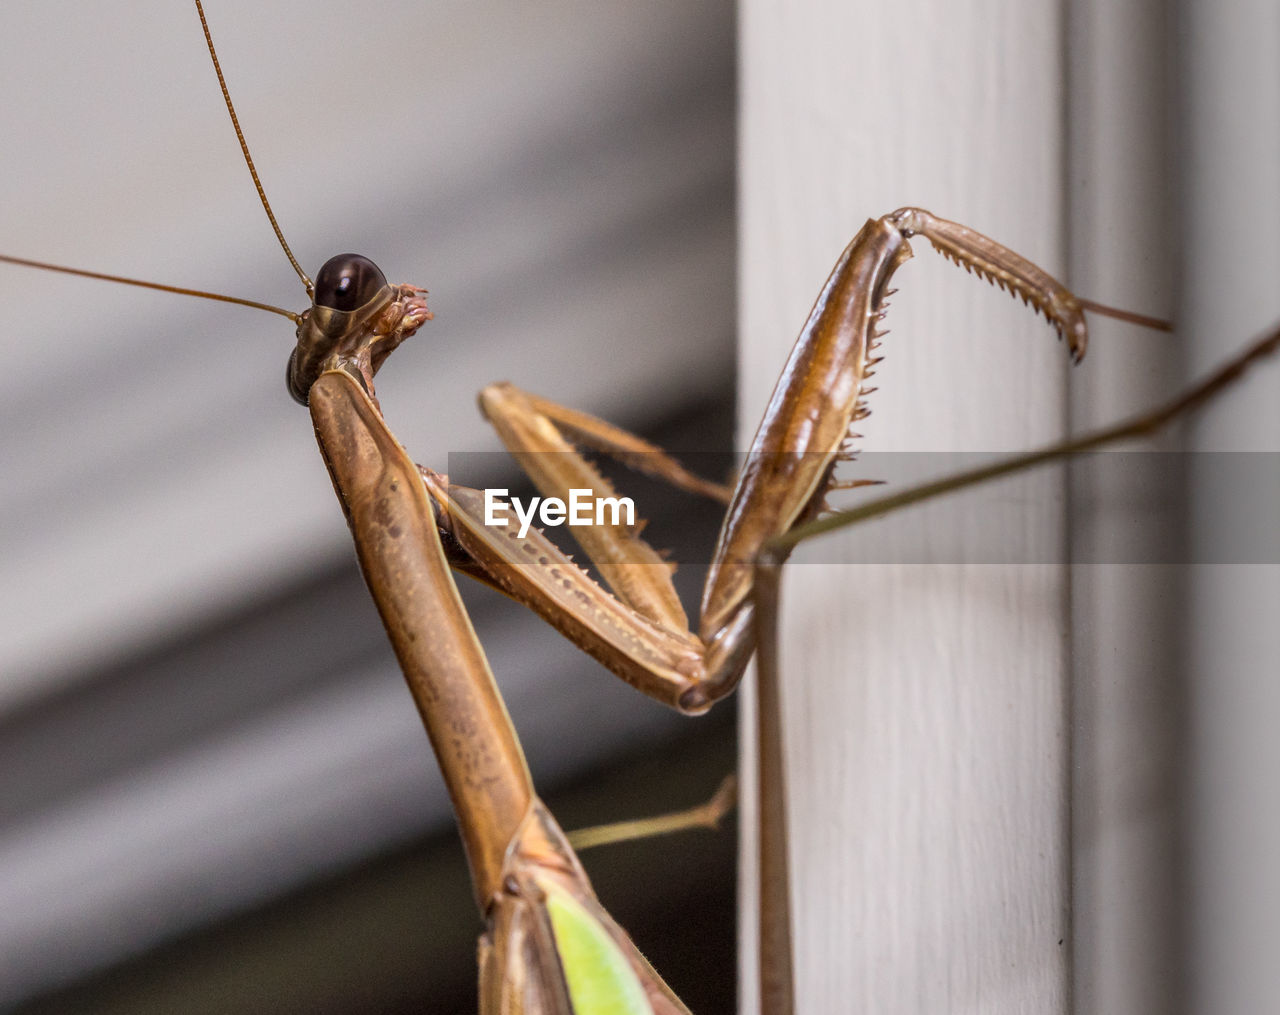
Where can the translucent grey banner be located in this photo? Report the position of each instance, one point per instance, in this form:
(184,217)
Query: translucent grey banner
(1096,508)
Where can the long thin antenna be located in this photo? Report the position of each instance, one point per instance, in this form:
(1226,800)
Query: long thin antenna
(248,159)
(150,285)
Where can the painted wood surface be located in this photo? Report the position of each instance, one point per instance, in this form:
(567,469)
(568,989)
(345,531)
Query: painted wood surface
(926,687)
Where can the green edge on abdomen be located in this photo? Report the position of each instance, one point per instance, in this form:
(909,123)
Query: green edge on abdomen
(601,979)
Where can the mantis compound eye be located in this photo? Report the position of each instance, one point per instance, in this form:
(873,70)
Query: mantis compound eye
(347,282)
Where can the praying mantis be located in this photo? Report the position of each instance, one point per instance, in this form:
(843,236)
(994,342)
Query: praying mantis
(123,433)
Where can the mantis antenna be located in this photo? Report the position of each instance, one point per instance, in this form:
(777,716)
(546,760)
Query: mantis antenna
(180,290)
(248,159)
(45,266)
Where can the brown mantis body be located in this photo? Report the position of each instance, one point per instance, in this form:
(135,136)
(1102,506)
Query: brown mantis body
(770,500)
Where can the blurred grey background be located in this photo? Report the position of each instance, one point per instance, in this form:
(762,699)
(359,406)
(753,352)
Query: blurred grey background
(214,792)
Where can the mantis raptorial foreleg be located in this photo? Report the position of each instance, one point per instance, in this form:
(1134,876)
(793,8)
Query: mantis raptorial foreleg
(787,473)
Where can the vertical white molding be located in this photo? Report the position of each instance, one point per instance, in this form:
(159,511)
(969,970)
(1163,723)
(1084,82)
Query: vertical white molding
(1128,698)
(926,704)
(1230,265)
